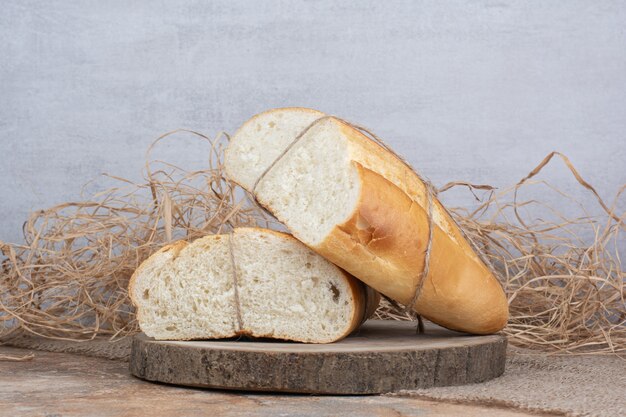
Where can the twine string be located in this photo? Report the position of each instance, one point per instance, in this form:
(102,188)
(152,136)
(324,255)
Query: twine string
(284,152)
(429,245)
(235,281)
(431,192)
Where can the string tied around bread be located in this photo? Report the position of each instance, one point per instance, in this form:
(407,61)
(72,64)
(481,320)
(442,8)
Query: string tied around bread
(431,194)
(431,191)
(237,303)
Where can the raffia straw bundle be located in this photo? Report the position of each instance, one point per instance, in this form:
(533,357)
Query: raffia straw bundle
(563,277)
(68,280)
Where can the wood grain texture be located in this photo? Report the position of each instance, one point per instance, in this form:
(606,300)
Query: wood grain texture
(380,357)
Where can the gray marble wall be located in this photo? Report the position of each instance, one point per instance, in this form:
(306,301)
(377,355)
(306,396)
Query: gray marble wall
(472,90)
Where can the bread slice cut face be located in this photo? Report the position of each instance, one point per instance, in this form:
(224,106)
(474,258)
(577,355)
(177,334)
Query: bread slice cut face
(358,205)
(281,288)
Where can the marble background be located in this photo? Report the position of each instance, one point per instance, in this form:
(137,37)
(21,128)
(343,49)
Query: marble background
(466,90)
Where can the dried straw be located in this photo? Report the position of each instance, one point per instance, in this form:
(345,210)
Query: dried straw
(23,358)
(563,276)
(68,280)
(566,291)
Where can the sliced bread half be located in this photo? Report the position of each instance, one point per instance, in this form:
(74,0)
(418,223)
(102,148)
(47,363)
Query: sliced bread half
(279,288)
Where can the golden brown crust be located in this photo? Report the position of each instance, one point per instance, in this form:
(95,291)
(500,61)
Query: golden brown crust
(384,244)
(372,300)
(359,295)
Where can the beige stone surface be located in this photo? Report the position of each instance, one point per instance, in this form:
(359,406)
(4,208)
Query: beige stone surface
(59,384)
(566,385)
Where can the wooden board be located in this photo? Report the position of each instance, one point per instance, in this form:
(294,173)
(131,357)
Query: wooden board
(383,356)
(69,385)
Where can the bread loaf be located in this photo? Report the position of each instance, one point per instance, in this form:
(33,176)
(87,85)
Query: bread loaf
(359,206)
(283,290)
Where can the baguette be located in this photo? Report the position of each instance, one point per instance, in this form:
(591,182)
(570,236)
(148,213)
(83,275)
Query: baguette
(359,206)
(283,291)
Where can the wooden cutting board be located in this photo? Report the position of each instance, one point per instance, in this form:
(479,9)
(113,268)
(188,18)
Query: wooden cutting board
(383,356)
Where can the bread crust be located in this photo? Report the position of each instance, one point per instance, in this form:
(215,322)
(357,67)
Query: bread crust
(460,292)
(383,243)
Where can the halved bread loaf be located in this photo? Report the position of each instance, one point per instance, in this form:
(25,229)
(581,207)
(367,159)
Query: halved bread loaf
(359,206)
(284,290)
